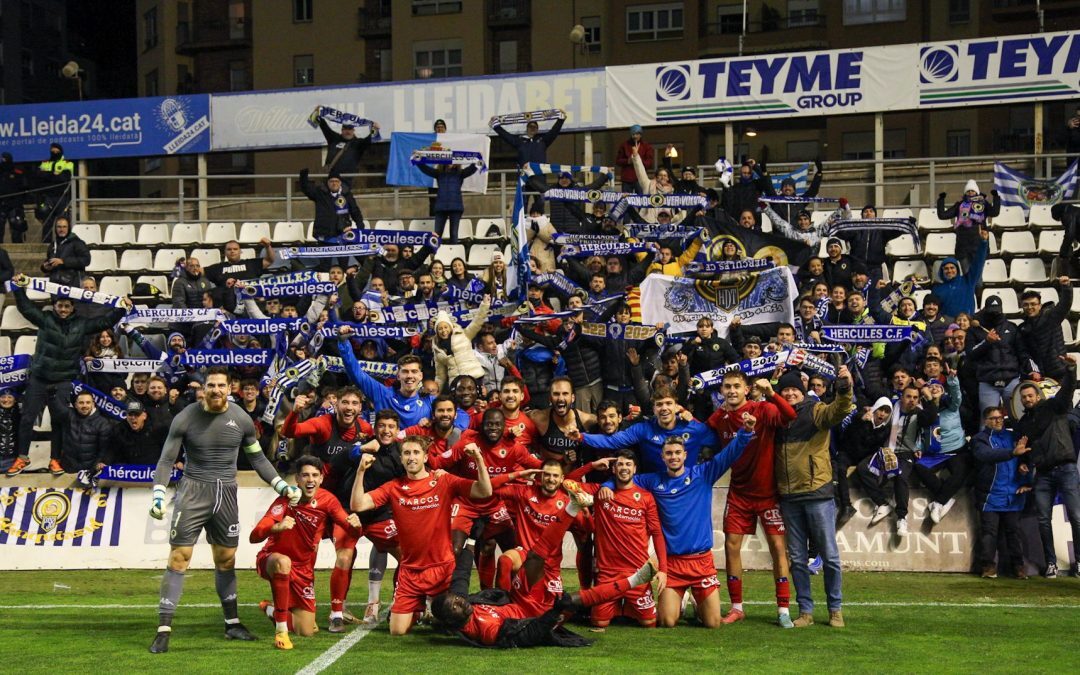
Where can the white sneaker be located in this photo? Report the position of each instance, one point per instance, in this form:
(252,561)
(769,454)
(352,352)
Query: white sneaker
(935,512)
(880,513)
(901,527)
(946,507)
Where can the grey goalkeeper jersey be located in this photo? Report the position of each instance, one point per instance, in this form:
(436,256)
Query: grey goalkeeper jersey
(211,442)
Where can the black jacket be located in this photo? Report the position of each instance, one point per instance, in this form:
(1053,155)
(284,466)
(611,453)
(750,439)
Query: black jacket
(1047,428)
(350,150)
(76,256)
(85,440)
(566,216)
(1041,341)
(187,291)
(328,222)
(387,467)
(531,149)
(127,446)
(868,246)
(994,361)
(709,354)
(862,439)
(7,269)
(743,196)
(60,342)
(581,353)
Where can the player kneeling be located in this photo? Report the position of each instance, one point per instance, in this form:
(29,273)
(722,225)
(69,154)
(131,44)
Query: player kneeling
(287,560)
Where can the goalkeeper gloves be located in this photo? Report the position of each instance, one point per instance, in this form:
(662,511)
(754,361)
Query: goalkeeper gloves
(157,503)
(290,492)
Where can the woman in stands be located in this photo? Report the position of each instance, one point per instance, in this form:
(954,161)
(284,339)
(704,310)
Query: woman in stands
(459,275)
(104,346)
(438,274)
(494,277)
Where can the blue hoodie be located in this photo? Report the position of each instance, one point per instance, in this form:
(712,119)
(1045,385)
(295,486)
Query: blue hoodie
(958,294)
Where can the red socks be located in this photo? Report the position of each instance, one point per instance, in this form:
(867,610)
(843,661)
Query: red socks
(279,588)
(504,572)
(783,592)
(485,568)
(339,588)
(734,589)
(584,563)
(603,592)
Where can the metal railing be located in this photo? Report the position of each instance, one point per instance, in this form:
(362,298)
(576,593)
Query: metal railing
(910,182)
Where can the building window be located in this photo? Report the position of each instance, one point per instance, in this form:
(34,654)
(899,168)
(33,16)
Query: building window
(438,62)
(508,56)
(150,32)
(858,12)
(729,20)
(386,64)
(237,20)
(803,13)
(958,143)
(151,164)
(303,70)
(860,144)
(959,11)
(591,24)
(240,160)
(425,7)
(802,151)
(301,10)
(654,22)
(150,83)
(238,76)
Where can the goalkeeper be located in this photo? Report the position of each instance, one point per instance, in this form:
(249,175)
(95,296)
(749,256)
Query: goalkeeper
(212,433)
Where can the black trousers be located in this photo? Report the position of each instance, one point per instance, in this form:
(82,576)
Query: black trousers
(1009,524)
(874,485)
(959,467)
(38,394)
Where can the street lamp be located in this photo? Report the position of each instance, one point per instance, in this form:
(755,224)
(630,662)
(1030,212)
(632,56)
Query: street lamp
(72,71)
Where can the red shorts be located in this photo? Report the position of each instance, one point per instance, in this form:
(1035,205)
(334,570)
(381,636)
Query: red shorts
(345,537)
(383,534)
(541,596)
(463,514)
(301,583)
(696,572)
(637,603)
(416,585)
(741,514)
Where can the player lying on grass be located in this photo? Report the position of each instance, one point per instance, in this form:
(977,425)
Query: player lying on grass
(287,560)
(495,618)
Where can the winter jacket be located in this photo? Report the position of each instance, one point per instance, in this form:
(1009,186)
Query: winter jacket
(531,150)
(60,342)
(951,429)
(911,436)
(994,361)
(997,476)
(839,272)
(461,360)
(539,232)
(580,352)
(709,354)
(9,431)
(187,291)
(675,267)
(743,195)
(647,186)
(868,246)
(450,181)
(350,150)
(936,327)
(127,446)
(1040,339)
(863,438)
(568,216)
(333,213)
(85,440)
(968,215)
(624,162)
(803,466)
(958,294)
(76,256)
(1047,428)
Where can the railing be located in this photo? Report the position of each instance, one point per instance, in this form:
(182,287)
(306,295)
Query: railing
(508,12)
(372,22)
(733,26)
(913,183)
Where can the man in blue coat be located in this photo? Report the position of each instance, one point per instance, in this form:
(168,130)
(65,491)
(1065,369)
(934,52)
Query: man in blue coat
(956,290)
(1000,487)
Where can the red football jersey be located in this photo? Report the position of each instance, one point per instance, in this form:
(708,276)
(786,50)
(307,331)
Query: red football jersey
(528,431)
(301,543)
(754,474)
(533,511)
(486,620)
(623,526)
(501,458)
(422,515)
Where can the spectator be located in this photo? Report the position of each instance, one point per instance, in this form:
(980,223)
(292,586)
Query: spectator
(969,219)
(936,323)
(570,216)
(448,202)
(54,178)
(459,275)
(744,194)
(956,290)
(1069,217)
(945,450)
(539,233)
(12,197)
(392,261)
(189,287)
(10,412)
(789,210)
(1045,424)
(994,347)
(7,270)
(624,159)
(55,363)
(999,492)
(868,246)
(865,435)
(104,346)
(233,268)
(1040,339)
(136,440)
(659,184)
(67,255)
(494,277)
(86,435)
(344,150)
(454,355)
(668,263)
(335,208)
(531,148)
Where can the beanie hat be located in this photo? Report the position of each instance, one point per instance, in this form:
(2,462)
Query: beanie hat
(635,129)
(791,378)
(834,240)
(788,181)
(971,186)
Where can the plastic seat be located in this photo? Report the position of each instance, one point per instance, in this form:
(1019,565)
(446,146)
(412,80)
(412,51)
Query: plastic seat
(136,259)
(940,244)
(494,228)
(766,223)
(465,230)
(819,217)
(1009,304)
(152,234)
(286,231)
(1041,217)
(421,225)
(207,256)
(119,235)
(25,344)
(13,320)
(310,231)
(447,252)
(897,213)
(1027,271)
(165,259)
(5,346)
(115,285)
(102,260)
(902,247)
(46,421)
(1047,293)
(995,272)
(1050,241)
(219,233)
(158,280)
(1010,218)
(905,268)
(397,225)
(253,233)
(247,254)
(88,232)
(187,233)
(928,220)
(1018,243)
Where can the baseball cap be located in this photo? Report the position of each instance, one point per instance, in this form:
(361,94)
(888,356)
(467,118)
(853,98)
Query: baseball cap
(135,407)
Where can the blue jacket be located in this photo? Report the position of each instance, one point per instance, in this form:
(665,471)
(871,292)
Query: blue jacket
(997,476)
(450,182)
(958,294)
(952,430)
(647,438)
(533,149)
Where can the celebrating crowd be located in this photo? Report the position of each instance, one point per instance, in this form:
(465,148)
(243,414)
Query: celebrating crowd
(456,419)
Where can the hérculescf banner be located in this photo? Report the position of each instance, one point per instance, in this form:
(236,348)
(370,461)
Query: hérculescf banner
(763,297)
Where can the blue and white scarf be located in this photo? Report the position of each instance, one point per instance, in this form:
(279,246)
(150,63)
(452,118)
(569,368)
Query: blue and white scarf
(655,231)
(782,199)
(123,365)
(373,330)
(106,404)
(448,157)
(77,294)
(624,331)
(334,115)
(146,315)
(340,251)
(382,237)
(606,249)
(866,333)
(264,326)
(657,201)
(197,358)
(14,370)
(729,266)
(526,117)
(564,238)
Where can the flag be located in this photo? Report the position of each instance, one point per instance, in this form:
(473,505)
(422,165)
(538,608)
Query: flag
(1017,189)
(60,517)
(799,175)
(402,172)
(755,244)
(517,267)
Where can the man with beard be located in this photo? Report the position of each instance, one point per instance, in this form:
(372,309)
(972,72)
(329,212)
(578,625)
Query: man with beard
(561,417)
(287,560)
(135,440)
(442,432)
(211,432)
(406,399)
(518,424)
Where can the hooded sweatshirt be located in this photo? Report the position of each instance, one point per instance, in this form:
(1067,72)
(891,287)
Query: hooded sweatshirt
(958,294)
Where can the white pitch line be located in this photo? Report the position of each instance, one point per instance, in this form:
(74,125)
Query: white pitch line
(327,658)
(197,605)
(972,605)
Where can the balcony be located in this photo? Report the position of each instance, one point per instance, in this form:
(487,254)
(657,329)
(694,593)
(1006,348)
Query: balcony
(373,22)
(212,35)
(769,35)
(507,13)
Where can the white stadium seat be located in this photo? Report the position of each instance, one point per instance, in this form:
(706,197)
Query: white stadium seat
(928,220)
(421,225)
(447,252)
(286,232)
(25,344)
(165,259)
(397,225)
(490,229)
(995,272)
(1050,241)
(207,256)
(766,223)
(247,253)
(158,280)
(905,268)
(940,244)
(902,247)
(253,233)
(13,320)
(465,230)
(1040,216)
(1018,243)
(136,259)
(88,232)
(1009,304)
(819,217)
(102,260)
(1027,271)
(5,346)
(152,234)
(46,421)
(218,233)
(115,285)
(187,233)
(1047,294)
(1010,218)
(119,235)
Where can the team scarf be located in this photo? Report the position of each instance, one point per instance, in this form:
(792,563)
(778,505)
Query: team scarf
(339,251)
(335,115)
(583,195)
(473,294)
(378,369)
(133,473)
(197,358)
(823,305)
(538,169)
(396,237)
(798,199)
(970,213)
(606,249)
(14,371)
(290,290)
(61,291)
(656,231)
(364,331)
(265,287)
(803,328)
(624,331)
(439,156)
(558,281)
(891,302)
(657,201)
(711,267)
(596,306)
(563,238)
(123,365)
(755,367)
(817,347)
(809,361)
(264,326)
(842,225)
(417,313)
(105,404)
(526,117)
(147,315)
(866,333)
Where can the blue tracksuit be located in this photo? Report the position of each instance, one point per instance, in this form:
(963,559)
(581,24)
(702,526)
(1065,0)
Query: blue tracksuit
(411,409)
(647,437)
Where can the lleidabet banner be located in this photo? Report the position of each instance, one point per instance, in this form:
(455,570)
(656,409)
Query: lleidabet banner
(872,79)
(279,118)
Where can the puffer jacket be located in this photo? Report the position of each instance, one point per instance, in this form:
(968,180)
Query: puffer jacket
(709,354)
(863,438)
(539,232)
(85,440)
(1041,341)
(994,361)
(187,291)
(462,359)
(581,353)
(803,466)
(951,429)
(1047,428)
(958,294)
(997,477)
(450,182)
(60,342)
